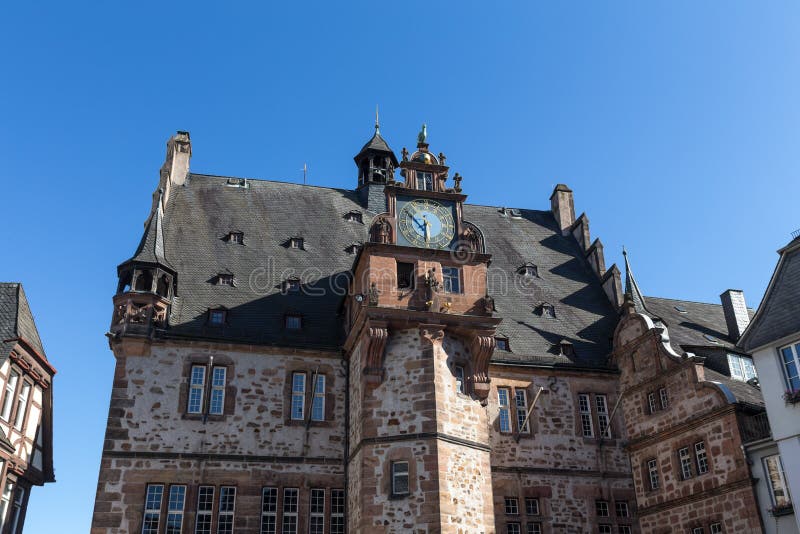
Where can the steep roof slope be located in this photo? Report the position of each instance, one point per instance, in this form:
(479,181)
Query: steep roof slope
(201,213)
(16,319)
(779,313)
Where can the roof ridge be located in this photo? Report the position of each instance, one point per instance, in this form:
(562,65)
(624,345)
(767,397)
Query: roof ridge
(686,300)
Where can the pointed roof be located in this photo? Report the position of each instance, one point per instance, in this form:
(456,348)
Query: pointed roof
(632,290)
(151,247)
(377,144)
(16,319)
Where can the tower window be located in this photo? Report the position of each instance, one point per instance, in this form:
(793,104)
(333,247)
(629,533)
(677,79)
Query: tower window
(424,181)
(451,278)
(566,348)
(459,372)
(405,275)
(293,322)
(400,478)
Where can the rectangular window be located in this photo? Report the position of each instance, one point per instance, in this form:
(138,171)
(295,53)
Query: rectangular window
(400,478)
(451,279)
(8,399)
(534,528)
(505,417)
(624,529)
(227,505)
(217,390)
(531,506)
(298,396)
(318,402)
(316,519)
(22,405)
(152,508)
(513,528)
(502,343)
(604,529)
(622,508)
(269,510)
(424,181)
(216,317)
(652,473)
(5,501)
(205,509)
(716,528)
(521,400)
(697,530)
(651,402)
(791,364)
(601,401)
(290,505)
(459,372)
(337,511)
(197,386)
(405,275)
(777,481)
(685,460)
(175,503)
(293,322)
(511,506)
(741,368)
(601,508)
(664,398)
(585,409)
(701,457)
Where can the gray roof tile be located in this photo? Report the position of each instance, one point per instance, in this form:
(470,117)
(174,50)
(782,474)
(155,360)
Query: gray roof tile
(16,319)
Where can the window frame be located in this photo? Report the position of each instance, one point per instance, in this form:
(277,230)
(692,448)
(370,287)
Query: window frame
(685,463)
(269,510)
(532,506)
(153,511)
(397,474)
(521,411)
(196,387)
(10,394)
(217,393)
(204,512)
(504,423)
(663,397)
(533,527)
(298,395)
(715,528)
(427,179)
(5,500)
(406,274)
(703,462)
(291,510)
(318,398)
(653,476)
(651,402)
(501,343)
(619,506)
(781,478)
(316,513)
(511,505)
(603,416)
(337,511)
(225,513)
(450,275)
(460,374)
(292,319)
(217,316)
(178,513)
(585,413)
(792,382)
(23,400)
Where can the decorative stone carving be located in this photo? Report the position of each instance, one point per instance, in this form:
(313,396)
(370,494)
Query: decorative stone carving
(432,286)
(382,231)
(431,334)
(482,346)
(377,334)
(457,181)
(404,152)
(472,239)
(488,304)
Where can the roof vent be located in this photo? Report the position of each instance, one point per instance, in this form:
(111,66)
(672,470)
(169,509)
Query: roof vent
(681,309)
(237,182)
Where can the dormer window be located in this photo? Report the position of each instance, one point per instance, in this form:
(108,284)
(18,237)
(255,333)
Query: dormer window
(225,279)
(529,270)
(547,310)
(235,237)
(514,213)
(217,317)
(354,216)
(501,343)
(237,182)
(681,309)
(424,181)
(566,348)
(293,322)
(291,285)
(297,242)
(353,249)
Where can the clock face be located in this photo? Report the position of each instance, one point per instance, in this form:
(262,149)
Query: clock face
(426,223)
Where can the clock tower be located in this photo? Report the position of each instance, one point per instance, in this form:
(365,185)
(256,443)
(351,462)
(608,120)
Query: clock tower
(420,334)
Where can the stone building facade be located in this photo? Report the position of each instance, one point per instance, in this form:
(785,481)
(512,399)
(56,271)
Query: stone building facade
(390,358)
(26,409)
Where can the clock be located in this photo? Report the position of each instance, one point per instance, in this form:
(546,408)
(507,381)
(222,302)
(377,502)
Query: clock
(426,223)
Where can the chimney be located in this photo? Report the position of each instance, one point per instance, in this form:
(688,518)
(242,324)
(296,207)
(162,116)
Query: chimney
(736,315)
(175,167)
(563,207)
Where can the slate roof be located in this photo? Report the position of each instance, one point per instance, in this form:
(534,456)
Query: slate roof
(202,212)
(16,319)
(744,392)
(690,328)
(378,144)
(151,247)
(779,313)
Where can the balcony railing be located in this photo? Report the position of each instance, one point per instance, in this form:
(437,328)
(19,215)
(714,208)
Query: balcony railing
(754,427)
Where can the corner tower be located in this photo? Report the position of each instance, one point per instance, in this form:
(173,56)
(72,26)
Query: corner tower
(420,335)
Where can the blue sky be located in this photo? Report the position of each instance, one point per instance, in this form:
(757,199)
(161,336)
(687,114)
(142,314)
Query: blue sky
(675,123)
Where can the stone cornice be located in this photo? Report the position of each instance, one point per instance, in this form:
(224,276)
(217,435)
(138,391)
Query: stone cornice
(694,497)
(689,424)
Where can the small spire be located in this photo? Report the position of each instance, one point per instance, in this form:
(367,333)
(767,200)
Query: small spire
(632,291)
(377,122)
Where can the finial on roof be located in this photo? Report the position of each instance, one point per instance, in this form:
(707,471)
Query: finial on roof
(422,137)
(377,122)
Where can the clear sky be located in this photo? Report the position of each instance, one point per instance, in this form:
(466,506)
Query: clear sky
(675,123)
